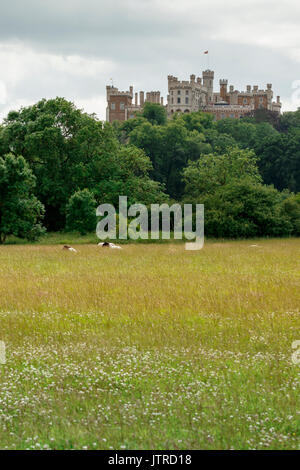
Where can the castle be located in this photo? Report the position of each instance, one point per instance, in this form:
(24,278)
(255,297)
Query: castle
(193,95)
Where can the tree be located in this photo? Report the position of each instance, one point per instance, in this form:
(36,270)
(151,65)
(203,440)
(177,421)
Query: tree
(218,143)
(289,120)
(126,173)
(291,208)
(81,212)
(237,204)
(242,209)
(262,115)
(154,113)
(20,210)
(69,150)
(212,171)
(279,160)
(196,121)
(56,139)
(244,133)
(169,147)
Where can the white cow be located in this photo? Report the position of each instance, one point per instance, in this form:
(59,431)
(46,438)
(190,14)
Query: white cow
(110,245)
(69,248)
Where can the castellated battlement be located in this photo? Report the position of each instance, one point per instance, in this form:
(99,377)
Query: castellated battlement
(111,90)
(173,82)
(256,90)
(153,97)
(208,73)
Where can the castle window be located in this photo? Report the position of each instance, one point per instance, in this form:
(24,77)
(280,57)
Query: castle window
(245,101)
(186,100)
(178,92)
(112,106)
(122,106)
(172,100)
(178,100)
(186,92)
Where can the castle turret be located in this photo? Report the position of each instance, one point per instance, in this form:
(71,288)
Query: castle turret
(208,83)
(142,98)
(223,89)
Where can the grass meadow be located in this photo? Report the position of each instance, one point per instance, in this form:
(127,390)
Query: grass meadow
(150,347)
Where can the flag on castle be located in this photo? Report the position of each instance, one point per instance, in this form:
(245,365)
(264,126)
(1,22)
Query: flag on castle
(205,52)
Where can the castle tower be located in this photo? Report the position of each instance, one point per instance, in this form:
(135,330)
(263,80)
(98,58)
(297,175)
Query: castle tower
(223,89)
(118,103)
(208,83)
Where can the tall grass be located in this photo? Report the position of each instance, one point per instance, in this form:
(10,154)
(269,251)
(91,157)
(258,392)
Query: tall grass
(151,347)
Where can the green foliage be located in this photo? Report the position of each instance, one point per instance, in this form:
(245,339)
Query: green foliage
(57,140)
(291,207)
(69,150)
(236,203)
(246,134)
(197,121)
(243,132)
(20,210)
(125,173)
(219,143)
(154,113)
(169,147)
(279,160)
(262,115)
(213,171)
(242,209)
(289,121)
(150,159)
(81,212)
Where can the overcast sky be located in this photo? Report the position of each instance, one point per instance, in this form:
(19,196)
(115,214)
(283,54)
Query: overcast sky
(72,48)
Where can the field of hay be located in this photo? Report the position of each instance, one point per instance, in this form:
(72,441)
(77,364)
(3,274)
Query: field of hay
(151,347)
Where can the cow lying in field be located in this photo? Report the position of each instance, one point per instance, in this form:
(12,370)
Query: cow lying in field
(109,245)
(69,248)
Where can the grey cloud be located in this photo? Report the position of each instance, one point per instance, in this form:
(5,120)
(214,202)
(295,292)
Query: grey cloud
(141,41)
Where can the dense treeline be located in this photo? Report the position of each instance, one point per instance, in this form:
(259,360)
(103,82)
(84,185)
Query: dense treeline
(57,163)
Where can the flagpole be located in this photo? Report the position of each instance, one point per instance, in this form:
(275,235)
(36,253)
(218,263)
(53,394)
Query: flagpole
(206,52)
